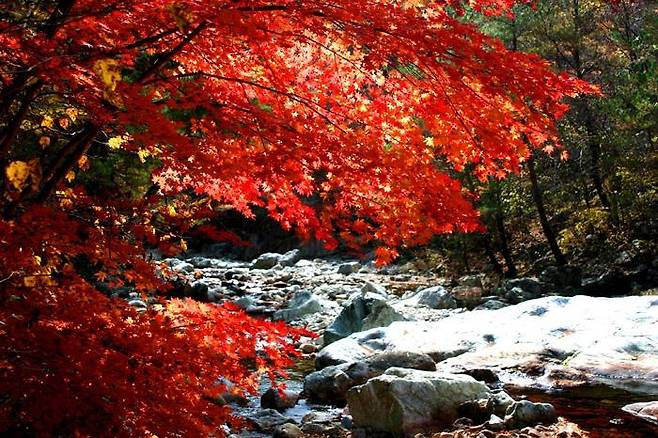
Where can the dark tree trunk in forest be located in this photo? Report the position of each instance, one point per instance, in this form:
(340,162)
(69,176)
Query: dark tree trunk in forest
(504,245)
(464,245)
(9,133)
(498,269)
(66,160)
(595,156)
(499,223)
(541,211)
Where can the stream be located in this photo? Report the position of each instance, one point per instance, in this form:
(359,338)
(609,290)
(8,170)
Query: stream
(274,289)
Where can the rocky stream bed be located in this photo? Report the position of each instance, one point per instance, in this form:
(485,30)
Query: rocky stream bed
(407,353)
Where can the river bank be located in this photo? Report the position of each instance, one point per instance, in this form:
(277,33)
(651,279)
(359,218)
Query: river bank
(586,356)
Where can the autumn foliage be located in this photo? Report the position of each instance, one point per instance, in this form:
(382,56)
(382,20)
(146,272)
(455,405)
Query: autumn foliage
(344,120)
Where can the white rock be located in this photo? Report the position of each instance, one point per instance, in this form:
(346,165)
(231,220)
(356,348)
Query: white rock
(608,340)
(403,400)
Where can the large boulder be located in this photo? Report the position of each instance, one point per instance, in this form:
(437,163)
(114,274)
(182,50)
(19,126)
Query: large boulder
(610,341)
(330,384)
(361,313)
(435,297)
(302,304)
(402,400)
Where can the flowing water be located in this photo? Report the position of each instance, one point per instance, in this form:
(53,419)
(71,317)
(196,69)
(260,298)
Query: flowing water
(596,409)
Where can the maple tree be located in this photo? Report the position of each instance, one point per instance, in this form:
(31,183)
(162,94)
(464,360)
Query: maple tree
(343,120)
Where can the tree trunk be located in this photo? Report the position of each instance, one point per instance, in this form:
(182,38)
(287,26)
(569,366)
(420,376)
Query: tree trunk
(14,125)
(72,153)
(543,218)
(595,156)
(57,17)
(490,254)
(10,91)
(504,245)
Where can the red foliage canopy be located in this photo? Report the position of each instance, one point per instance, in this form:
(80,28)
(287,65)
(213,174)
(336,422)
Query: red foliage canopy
(345,118)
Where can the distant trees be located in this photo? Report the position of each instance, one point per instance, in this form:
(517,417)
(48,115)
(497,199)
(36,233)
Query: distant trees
(606,191)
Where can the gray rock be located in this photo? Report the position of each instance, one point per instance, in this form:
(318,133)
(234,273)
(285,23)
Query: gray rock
(266,261)
(501,401)
(245,302)
(362,313)
(183,267)
(303,303)
(268,419)
(370,287)
(201,262)
(522,289)
(402,401)
(138,304)
(349,268)
(495,423)
(324,430)
(331,384)
(517,295)
(304,263)
(290,258)
(526,413)
(287,430)
(492,305)
(402,359)
(647,411)
(435,297)
(278,400)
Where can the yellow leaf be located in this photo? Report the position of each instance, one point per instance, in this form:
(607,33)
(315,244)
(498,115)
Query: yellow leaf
(72,113)
(109,72)
(30,281)
(83,162)
(47,122)
(143,154)
(116,142)
(18,173)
